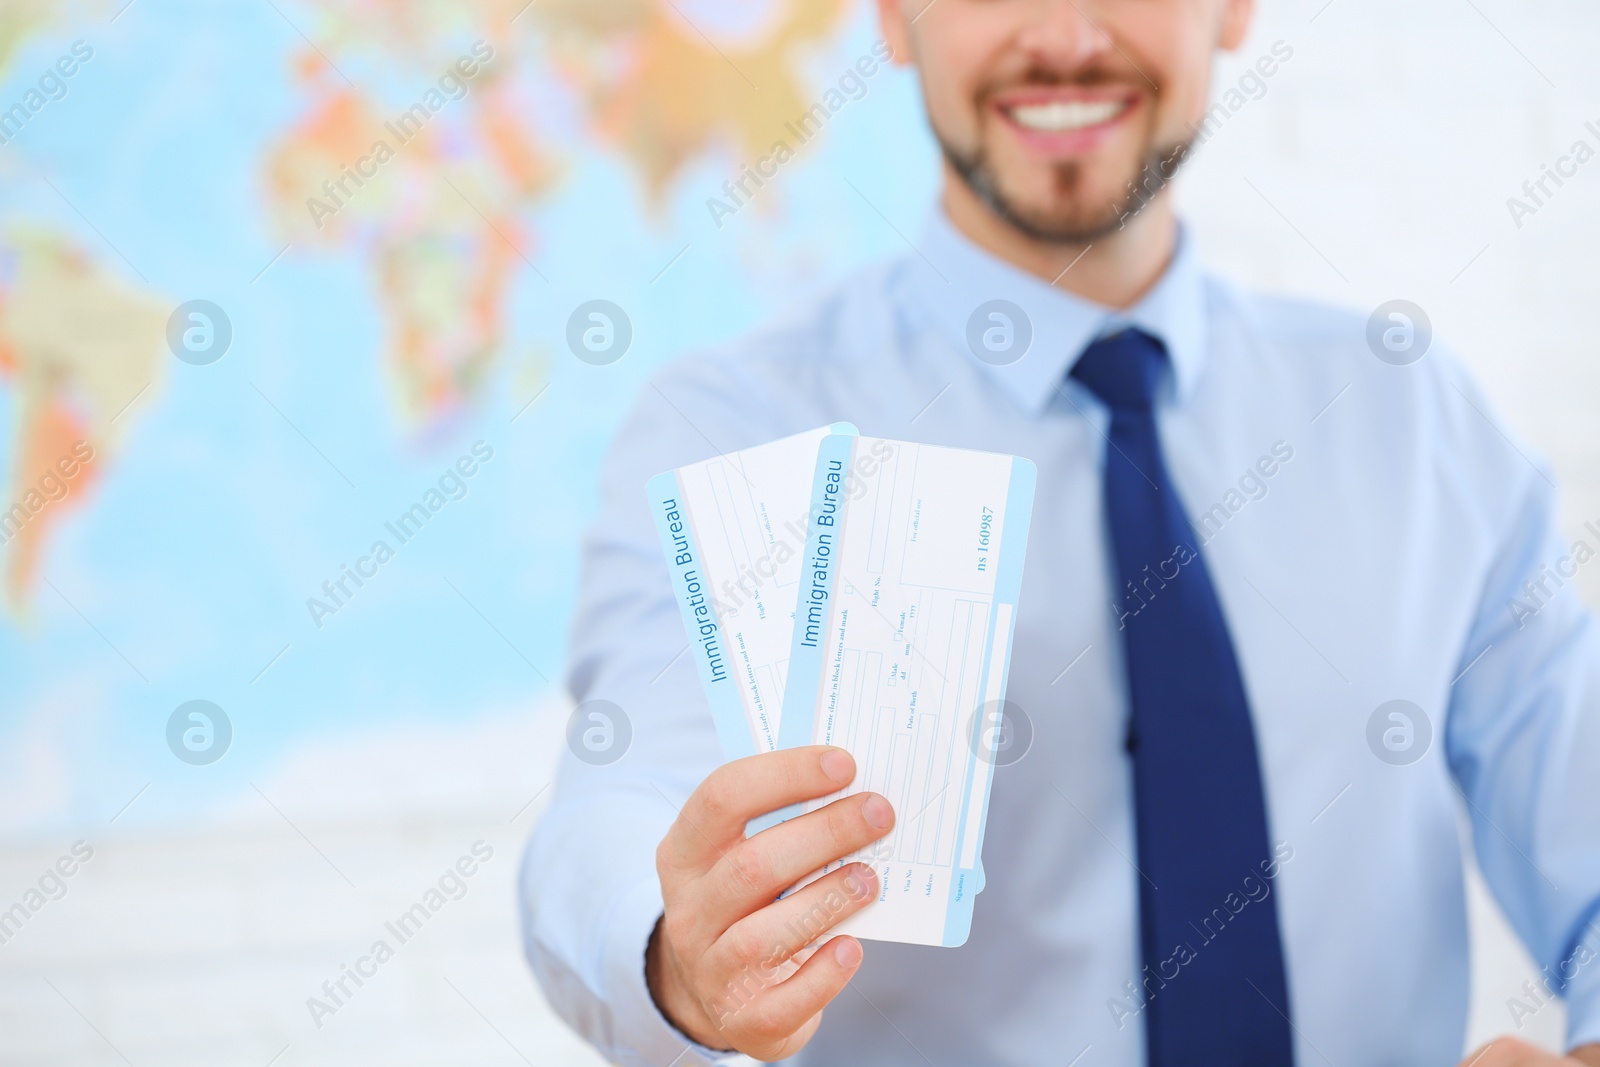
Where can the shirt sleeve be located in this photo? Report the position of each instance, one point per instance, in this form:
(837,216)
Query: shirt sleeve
(589,893)
(1523,742)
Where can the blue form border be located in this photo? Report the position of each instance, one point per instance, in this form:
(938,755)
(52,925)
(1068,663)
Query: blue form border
(1008,589)
(805,664)
(727,705)
(665,493)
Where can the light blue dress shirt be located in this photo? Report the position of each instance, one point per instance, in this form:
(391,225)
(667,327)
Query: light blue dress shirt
(1371,530)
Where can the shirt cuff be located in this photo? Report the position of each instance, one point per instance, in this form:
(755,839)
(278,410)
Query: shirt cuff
(652,1040)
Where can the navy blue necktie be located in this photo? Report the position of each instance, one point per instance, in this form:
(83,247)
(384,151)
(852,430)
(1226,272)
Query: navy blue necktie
(1214,989)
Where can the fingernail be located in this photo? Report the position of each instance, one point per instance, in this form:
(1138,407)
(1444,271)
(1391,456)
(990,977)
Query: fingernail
(878,812)
(847,952)
(838,765)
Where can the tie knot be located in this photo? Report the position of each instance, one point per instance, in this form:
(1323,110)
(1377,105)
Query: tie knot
(1123,370)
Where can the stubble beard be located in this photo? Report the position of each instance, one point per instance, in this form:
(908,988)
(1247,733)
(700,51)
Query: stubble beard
(1079,225)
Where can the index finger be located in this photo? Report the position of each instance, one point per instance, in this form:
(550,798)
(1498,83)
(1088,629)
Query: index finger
(714,817)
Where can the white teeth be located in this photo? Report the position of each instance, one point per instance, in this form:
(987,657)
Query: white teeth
(1066,114)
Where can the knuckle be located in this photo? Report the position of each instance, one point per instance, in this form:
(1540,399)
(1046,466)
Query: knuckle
(767,1021)
(858,884)
(816,989)
(713,799)
(846,825)
(749,867)
(744,947)
(790,772)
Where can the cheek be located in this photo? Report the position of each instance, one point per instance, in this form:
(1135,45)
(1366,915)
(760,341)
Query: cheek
(1182,60)
(948,96)
(1182,104)
(959,51)
(1170,43)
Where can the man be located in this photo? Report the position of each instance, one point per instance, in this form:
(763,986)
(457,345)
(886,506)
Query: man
(1289,607)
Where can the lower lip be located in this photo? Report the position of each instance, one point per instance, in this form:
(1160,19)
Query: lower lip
(1067,142)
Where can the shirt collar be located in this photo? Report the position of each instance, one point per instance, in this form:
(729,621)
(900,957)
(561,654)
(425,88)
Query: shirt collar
(954,278)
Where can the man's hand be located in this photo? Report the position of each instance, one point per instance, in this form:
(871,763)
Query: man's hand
(725,962)
(1509,1052)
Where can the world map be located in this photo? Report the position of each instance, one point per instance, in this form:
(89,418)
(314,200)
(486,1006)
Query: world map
(395,203)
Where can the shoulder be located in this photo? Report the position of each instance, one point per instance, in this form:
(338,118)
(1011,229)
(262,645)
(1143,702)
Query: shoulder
(802,354)
(1392,351)
(1275,326)
(772,381)
(1285,316)
(1381,383)
(832,330)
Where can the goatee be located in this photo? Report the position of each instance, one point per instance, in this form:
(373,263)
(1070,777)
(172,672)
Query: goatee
(1082,227)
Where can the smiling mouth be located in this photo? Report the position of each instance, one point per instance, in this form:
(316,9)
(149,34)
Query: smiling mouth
(1065,116)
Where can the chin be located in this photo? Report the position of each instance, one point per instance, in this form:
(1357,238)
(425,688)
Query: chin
(1062,206)
(1072,201)
(1066,226)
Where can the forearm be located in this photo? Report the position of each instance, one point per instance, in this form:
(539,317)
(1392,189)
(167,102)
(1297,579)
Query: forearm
(574,878)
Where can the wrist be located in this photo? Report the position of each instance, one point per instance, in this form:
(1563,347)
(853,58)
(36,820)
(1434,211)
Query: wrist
(671,997)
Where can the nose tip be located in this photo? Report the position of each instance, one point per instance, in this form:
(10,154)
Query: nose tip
(1063,33)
